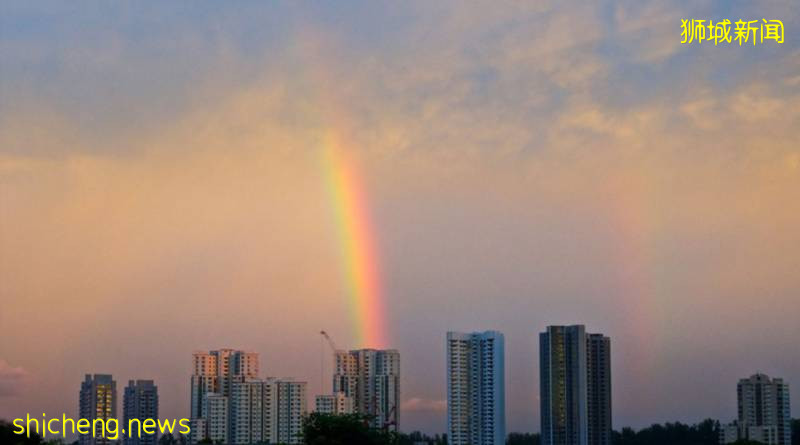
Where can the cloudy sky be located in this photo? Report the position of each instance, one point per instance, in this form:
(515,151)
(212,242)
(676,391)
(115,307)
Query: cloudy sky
(524,164)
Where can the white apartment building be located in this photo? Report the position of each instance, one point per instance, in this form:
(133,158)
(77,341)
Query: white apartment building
(476,388)
(337,403)
(215,413)
(371,377)
(291,408)
(764,413)
(267,410)
(214,372)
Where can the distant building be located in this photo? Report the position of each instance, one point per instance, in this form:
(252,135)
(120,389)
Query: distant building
(214,373)
(267,411)
(337,403)
(764,412)
(729,433)
(98,400)
(371,377)
(575,386)
(248,403)
(215,412)
(140,401)
(598,389)
(197,429)
(291,408)
(476,388)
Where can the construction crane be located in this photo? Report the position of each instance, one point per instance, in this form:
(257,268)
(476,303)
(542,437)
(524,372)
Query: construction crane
(330,341)
(322,356)
(391,417)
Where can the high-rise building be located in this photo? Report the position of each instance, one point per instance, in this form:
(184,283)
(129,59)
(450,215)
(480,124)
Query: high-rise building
(764,412)
(140,402)
(267,411)
(371,377)
(198,430)
(213,374)
(575,386)
(598,389)
(476,388)
(216,414)
(290,409)
(337,403)
(98,400)
(247,408)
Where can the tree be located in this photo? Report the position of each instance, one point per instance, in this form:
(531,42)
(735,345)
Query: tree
(796,432)
(167,439)
(704,433)
(8,436)
(347,429)
(523,439)
(416,437)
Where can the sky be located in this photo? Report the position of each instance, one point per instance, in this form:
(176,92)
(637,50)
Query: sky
(162,190)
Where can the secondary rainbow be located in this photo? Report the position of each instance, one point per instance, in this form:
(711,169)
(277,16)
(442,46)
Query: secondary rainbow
(356,241)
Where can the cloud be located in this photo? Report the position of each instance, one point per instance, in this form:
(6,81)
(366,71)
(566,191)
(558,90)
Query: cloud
(647,30)
(421,404)
(491,138)
(702,111)
(756,104)
(12,379)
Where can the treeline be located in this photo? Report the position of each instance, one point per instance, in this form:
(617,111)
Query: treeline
(703,433)
(353,430)
(9,437)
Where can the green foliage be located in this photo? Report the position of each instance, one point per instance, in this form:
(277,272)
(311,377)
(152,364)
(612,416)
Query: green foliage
(9,437)
(704,433)
(418,437)
(796,432)
(348,429)
(523,439)
(167,439)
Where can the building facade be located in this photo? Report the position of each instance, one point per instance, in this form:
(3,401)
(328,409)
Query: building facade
(575,386)
(598,389)
(290,409)
(729,433)
(337,403)
(98,400)
(371,377)
(476,388)
(215,372)
(247,412)
(267,411)
(216,416)
(139,402)
(764,413)
(213,376)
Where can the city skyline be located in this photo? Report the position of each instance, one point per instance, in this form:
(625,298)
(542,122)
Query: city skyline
(476,370)
(180,175)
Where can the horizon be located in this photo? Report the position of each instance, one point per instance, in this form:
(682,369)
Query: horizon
(180,176)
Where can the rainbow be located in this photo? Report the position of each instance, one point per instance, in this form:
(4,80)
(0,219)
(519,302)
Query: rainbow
(356,241)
